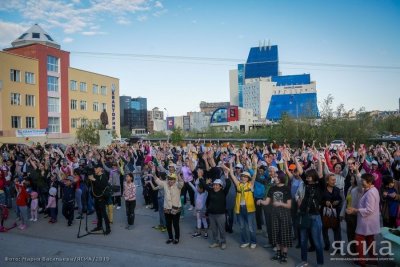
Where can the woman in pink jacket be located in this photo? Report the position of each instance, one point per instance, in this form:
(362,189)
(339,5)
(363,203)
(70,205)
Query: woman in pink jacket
(368,223)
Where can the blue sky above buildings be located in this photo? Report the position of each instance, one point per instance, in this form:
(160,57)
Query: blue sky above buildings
(351,32)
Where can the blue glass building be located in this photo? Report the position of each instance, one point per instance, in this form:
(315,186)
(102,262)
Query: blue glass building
(133,112)
(289,96)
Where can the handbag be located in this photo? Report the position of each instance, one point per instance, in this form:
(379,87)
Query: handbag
(305,221)
(116,188)
(329,218)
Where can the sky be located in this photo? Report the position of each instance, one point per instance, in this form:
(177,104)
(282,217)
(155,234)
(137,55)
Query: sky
(151,45)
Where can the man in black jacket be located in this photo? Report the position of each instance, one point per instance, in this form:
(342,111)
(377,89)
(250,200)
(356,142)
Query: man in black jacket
(100,188)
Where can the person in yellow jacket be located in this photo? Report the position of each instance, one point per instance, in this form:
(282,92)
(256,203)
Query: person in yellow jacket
(245,205)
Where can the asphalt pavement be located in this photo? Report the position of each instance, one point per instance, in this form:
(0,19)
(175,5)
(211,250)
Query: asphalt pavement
(44,244)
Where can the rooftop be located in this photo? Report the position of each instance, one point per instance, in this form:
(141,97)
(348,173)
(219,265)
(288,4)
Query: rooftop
(34,35)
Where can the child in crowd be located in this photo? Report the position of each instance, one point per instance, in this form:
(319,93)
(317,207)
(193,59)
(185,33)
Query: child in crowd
(200,208)
(52,205)
(130,199)
(22,203)
(68,199)
(34,206)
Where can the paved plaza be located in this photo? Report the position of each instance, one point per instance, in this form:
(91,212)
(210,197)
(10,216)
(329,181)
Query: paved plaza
(43,244)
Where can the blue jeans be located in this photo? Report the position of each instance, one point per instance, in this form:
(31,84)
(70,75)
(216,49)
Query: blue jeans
(316,233)
(8,199)
(247,220)
(161,211)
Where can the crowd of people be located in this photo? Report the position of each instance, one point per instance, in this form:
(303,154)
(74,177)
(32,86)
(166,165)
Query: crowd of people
(296,195)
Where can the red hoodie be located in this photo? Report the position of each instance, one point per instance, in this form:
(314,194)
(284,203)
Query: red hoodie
(23,196)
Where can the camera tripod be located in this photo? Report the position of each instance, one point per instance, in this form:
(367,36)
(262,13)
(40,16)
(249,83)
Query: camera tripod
(79,235)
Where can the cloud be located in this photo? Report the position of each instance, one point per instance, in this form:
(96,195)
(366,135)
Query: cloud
(68,40)
(10,31)
(160,12)
(142,18)
(91,33)
(123,21)
(75,16)
(158,4)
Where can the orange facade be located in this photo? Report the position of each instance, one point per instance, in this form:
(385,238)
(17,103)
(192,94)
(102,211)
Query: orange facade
(41,52)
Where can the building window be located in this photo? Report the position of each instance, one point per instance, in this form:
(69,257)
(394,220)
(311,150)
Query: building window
(83,105)
(103,106)
(74,104)
(54,125)
(103,90)
(84,123)
(95,89)
(30,100)
(15,75)
(74,123)
(95,106)
(53,104)
(83,87)
(15,99)
(30,122)
(35,35)
(52,64)
(52,84)
(15,122)
(29,77)
(73,85)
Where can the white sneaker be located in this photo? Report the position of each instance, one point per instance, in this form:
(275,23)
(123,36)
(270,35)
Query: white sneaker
(118,207)
(253,246)
(35,220)
(31,219)
(244,245)
(190,208)
(303,264)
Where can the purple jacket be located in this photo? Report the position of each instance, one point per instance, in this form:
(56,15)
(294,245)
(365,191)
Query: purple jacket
(368,222)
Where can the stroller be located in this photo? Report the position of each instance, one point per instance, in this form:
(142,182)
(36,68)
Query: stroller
(4,212)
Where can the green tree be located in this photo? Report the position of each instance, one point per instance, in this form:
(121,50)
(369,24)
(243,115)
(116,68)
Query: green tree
(176,135)
(125,132)
(158,135)
(88,134)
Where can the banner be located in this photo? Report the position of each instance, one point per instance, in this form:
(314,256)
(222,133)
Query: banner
(170,123)
(30,132)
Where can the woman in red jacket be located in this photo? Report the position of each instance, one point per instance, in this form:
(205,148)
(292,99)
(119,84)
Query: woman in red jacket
(22,203)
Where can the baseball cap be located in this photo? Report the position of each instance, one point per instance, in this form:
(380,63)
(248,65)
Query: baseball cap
(292,167)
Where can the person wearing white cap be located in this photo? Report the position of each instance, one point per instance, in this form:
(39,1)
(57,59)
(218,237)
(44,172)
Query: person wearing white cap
(245,205)
(216,206)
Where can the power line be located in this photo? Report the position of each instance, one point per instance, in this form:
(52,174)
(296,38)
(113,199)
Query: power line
(233,60)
